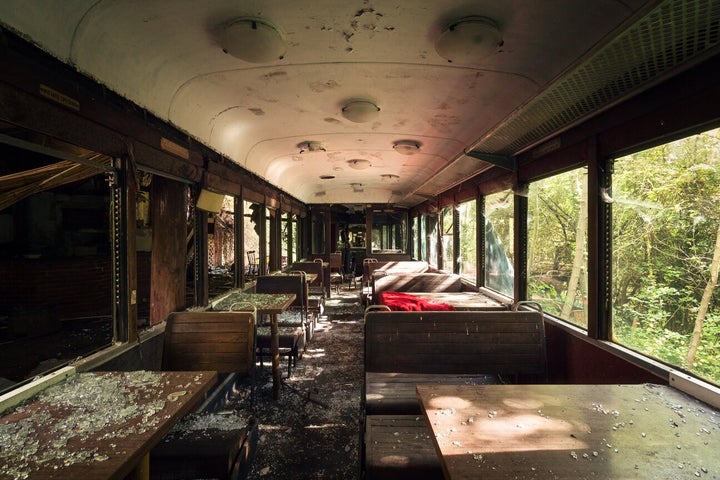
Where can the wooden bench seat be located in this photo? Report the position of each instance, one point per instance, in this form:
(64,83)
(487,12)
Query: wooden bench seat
(406,349)
(485,344)
(394,393)
(399,447)
(220,341)
(196,449)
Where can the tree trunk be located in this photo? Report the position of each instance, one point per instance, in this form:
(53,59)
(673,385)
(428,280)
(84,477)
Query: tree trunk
(704,303)
(578,261)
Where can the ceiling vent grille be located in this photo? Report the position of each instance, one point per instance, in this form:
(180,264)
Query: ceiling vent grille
(674,33)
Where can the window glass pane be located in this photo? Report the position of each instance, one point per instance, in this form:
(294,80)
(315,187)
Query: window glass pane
(221,236)
(422,233)
(221,247)
(56,261)
(557,245)
(432,240)
(413,246)
(318,232)
(389,232)
(666,252)
(446,217)
(499,272)
(468,239)
(286,235)
(268,247)
(251,242)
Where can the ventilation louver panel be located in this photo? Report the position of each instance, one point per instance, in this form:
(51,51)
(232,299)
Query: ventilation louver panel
(675,33)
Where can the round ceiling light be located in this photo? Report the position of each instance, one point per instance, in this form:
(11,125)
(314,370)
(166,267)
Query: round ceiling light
(390,178)
(360,111)
(359,163)
(469,40)
(406,147)
(310,146)
(253,41)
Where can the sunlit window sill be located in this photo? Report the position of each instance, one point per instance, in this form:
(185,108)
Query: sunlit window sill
(684,382)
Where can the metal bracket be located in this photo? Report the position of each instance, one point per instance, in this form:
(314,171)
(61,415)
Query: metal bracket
(508,162)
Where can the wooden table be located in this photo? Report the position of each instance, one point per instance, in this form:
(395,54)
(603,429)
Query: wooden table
(265,303)
(462,300)
(571,432)
(97,425)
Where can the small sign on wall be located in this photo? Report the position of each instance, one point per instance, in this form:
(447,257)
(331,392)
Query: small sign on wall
(210,201)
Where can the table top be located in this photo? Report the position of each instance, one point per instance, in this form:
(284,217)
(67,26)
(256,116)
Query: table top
(571,432)
(271,303)
(96,425)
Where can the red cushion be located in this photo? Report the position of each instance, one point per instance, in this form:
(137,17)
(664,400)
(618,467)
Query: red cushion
(400,301)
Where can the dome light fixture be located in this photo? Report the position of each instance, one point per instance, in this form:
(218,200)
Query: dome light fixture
(406,147)
(359,163)
(311,146)
(253,40)
(469,40)
(360,111)
(390,178)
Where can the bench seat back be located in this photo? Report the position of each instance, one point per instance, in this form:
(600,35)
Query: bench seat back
(503,343)
(220,341)
(395,268)
(322,281)
(284,284)
(417,282)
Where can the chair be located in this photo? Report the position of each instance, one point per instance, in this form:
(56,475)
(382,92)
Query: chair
(251,268)
(337,274)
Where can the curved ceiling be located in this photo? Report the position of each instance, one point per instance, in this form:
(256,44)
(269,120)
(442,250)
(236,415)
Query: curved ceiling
(168,58)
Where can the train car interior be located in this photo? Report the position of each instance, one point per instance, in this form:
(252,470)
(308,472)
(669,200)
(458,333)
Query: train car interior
(508,201)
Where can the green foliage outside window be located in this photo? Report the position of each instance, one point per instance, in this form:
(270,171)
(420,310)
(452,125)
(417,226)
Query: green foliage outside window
(666,253)
(557,245)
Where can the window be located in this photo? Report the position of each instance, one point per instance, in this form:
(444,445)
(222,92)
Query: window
(499,273)
(432,240)
(446,222)
(422,238)
(557,245)
(467,226)
(287,239)
(57,260)
(221,248)
(318,232)
(666,253)
(251,242)
(389,232)
(221,235)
